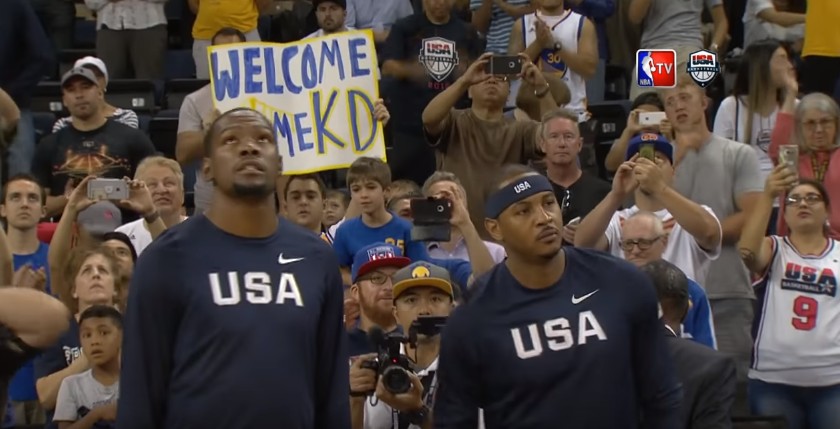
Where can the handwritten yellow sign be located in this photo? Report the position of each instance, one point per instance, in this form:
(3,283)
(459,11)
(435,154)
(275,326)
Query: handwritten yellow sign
(319,94)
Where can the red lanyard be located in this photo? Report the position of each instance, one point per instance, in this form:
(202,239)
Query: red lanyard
(819,167)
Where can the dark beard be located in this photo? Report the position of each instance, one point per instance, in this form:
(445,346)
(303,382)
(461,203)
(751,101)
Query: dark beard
(253,191)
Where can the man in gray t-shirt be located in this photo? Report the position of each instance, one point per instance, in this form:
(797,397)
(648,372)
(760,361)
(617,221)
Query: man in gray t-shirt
(195,116)
(725,176)
(678,25)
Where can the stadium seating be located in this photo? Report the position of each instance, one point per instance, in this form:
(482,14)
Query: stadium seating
(180,64)
(47,98)
(43,123)
(617,83)
(176,90)
(85,34)
(759,423)
(68,57)
(134,94)
(164,133)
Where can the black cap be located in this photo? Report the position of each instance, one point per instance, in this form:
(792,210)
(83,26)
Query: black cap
(341,3)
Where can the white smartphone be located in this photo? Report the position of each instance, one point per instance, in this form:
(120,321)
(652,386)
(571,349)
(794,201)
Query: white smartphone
(651,118)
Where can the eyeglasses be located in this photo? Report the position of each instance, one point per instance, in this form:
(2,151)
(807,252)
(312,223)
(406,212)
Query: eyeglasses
(643,243)
(377,278)
(824,123)
(565,202)
(810,199)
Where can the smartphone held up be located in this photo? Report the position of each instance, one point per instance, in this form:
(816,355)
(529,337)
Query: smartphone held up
(789,157)
(501,65)
(107,189)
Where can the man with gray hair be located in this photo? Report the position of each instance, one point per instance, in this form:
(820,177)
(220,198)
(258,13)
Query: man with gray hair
(644,240)
(442,184)
(707,376)
(577,191)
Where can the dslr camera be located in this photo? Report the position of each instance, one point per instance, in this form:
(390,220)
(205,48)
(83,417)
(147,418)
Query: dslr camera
(390,365)
(428,326)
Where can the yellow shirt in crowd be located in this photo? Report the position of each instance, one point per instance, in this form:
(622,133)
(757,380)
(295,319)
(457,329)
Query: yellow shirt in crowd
(822,34)
(213,15)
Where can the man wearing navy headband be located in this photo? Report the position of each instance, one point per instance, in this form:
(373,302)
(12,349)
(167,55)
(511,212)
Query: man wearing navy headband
(553,335)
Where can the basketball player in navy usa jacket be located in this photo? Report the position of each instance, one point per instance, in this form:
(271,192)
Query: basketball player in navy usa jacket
(234,317)
(554,337)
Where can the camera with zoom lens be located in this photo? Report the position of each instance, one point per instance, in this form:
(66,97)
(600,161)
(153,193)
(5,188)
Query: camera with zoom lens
(390,364)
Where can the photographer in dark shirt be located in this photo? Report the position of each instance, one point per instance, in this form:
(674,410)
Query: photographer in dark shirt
(92,145)
(423,298)
(30,320)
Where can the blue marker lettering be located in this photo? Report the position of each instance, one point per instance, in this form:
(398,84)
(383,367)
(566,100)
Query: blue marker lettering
(286,58)
(331,53)
(321,118)
(308,66)
(352,96)
(252,70)
(302,132)
(226,81)
(271,84)
(284,129)
(356,69)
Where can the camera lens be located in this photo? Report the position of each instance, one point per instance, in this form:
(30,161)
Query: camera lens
(512,64)
(396,380)
(440,208)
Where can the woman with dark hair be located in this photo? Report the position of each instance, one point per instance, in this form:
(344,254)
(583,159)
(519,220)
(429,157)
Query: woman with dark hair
(796,360)
(647,102)
(749,114)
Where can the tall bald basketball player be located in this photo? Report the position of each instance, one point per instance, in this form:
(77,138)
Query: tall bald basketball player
(561,42)
(554,336)
(234,317)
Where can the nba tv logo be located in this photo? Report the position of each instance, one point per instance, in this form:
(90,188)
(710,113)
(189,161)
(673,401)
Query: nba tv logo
(656,68)
(703,67)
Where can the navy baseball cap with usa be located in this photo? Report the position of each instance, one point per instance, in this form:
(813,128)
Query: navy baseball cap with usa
(375,256)
(659,142)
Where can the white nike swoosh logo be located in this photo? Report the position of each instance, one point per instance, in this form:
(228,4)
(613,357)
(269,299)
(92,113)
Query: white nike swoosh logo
(283,261)
(576,300)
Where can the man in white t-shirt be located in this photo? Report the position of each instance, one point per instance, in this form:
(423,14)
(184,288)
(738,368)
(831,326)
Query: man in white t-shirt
(165,180)
(763,21)
(693,231)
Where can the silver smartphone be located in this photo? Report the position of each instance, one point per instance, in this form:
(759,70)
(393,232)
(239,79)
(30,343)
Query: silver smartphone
(789,157)
(651,118)
(107,189)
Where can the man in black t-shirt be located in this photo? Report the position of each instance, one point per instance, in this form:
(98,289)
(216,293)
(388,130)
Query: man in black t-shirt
(90,145)
(577,191)
(423,55)
(30,320)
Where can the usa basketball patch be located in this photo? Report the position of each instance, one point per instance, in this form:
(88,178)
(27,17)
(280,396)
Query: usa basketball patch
(439,57)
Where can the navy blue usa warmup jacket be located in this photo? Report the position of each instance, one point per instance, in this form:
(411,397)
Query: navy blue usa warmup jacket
(585,353)
(229,332)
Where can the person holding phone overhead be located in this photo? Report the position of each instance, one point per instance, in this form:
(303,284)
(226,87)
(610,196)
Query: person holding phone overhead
(796,353)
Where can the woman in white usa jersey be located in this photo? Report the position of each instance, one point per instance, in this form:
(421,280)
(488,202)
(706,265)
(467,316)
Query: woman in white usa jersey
(796,357)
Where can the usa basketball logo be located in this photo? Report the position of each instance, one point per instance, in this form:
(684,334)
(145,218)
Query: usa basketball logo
(703,67)
(439,57)
(656,68)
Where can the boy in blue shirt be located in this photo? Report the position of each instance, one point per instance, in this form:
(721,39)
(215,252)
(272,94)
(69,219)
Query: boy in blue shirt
(368,179)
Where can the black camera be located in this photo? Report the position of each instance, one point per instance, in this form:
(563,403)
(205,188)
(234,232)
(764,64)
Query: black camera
(431,219)
(428,326)
(390,364)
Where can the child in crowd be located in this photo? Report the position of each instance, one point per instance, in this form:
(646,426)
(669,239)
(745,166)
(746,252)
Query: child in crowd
(335,206)
(368,180)
(89,399)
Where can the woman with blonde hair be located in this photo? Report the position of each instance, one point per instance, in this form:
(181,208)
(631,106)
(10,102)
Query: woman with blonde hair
(94,277)
(813,126)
